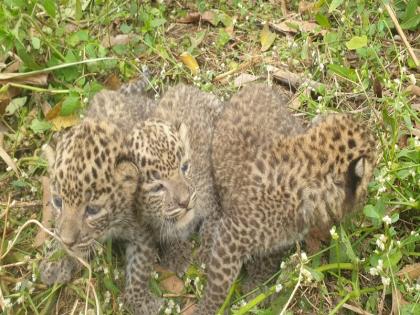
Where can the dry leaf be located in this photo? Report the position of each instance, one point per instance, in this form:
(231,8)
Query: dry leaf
(62,122)
(290,78)
(244,78)
(173,284)
(296,26)
(377,87)
(209,16)
(397,301)
(112,82)
(190,62)
(416,106)
(266,38)
(40,79)
(120,39)
(305,6)
(47,212)
(54,112)
(413,89)
(192,17)
(412,271)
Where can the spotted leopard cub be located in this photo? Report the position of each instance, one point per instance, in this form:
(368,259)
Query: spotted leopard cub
(172,149)
(94,189)
(274,188)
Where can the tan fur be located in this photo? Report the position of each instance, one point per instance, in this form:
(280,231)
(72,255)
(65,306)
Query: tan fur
(276,183)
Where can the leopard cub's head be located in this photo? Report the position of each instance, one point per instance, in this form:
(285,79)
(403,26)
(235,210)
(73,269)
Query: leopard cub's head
(346,153)
(92,187)
(167,194)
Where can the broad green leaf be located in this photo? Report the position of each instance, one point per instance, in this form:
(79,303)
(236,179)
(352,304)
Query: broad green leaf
(371,212)
(50,7)
(322,20)
(223,38)
(343,72)
(357,42)
(15,104)
(39,126)
(411,23)
(70,105)
(267,38)
(36,43)
(334,5)
(393,258)
(157,22)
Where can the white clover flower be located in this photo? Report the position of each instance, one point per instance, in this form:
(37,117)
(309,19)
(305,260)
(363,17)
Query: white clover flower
(107,297)
(319,98)
(385,281)
(380,265)
(187,281)
(121,305)
(411,199)
(279,287)
(196,281)
(373,271)
(397,81)
(155,275)
(380,10)
(307,275)
(33,189)
(387,220)
(106,270)
(171,304)
(20,299)
(8,303)
(412,233)
(282,265)
(380,244)
(304,257)
(8,169)
(399,243)
(404,69)
(116,274)
(382,189)
(203,266)
(412,79)
(177,308)
(334,233)
(168,311)
(18,285)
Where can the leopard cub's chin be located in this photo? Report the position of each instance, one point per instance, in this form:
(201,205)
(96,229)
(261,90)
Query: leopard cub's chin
(185,219)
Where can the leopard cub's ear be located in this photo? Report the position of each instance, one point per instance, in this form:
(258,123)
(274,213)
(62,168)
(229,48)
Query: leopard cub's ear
(126,170)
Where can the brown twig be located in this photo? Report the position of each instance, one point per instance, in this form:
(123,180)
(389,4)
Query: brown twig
(401,33)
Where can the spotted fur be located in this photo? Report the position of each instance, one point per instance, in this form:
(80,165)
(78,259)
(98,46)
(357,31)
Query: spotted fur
(275,183)
(173,152)
(94,187)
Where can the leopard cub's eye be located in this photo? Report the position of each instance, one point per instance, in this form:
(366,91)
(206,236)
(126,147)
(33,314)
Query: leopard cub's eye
(91,210)
(57,202)
(157,188)
(185,167)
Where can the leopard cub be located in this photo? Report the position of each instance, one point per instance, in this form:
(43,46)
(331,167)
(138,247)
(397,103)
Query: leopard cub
(276,183)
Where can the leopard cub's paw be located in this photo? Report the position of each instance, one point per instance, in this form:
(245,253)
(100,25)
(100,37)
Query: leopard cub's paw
(60,271)
(142,303)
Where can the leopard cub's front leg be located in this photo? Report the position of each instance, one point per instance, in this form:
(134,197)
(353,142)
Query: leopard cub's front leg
(140,259)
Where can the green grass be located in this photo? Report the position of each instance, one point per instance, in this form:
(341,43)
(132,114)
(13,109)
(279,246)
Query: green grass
(356,56)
